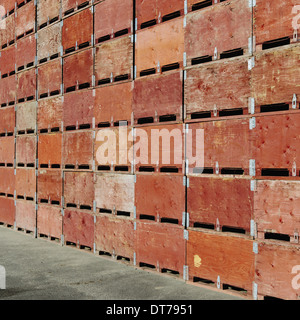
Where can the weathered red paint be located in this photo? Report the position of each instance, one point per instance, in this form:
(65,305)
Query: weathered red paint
(25,19)
(7,180)
(49,221)
(8,35)
(7,210)
(71,5)
(26,215)
(7,149)
(49,185)
(26,182)
(26,116)
(7,119)
(25,52)
(50,113)
(26,85)
(8,60)
(8,90)
(47,10)
(50,149)
(26,149)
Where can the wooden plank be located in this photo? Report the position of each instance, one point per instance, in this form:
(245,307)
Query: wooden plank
(213,255)
(8,90)
(8,60)
(25,215)
(220,201)
(226,26)
(7,180)
(26,85)
(8,35)
(26,116)
(25,52)
(7,210)
(50,149)
(161,196)
(26,149)
(26,183)
(7,120)
(277,270)
(50,113)
(7,150)
(25,19)
(49,221)
(49,185)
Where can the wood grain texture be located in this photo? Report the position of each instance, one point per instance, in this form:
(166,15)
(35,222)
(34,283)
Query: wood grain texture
(224,84)
(50,113)
(49,185)
(50,77)
(50,149)
(210,255)
(274,270)
(26,116)
(226,199)
(25,215)
(49,221)
(7,210)
(232,33)
(160,195)
(25,182)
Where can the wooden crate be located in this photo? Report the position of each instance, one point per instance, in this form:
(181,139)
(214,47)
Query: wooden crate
(77,31)
(9,6)
(77,150)
(49,221)
(25,52)
(78,109)
(25,215)
(274,19)
(8,61)
(49,42)
(50,114)
(115,236)
(50,78)
(106,100)
(50,150)
(223,27)
(25,183)
(7,150)
(47,12)
(161,246)
(78,70)
(212,256)
(8,35)
(49,186)
(160,197)
(7,181)
(277,270)
(115,193)
(7,211)
(160,48)
(217,87)
(274,78)
(222,203)
(78,228)
(8,90)
(79,190)
(158,97)
(7,120)
(114,60)
(69,6)
(25,19)
(276,204)
(26,85)
(112,19)
(26,150)
(226,145)
(26,117)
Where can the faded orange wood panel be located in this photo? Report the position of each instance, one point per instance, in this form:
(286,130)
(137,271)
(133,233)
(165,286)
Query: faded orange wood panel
(26,182)
(25,215)
(26,116)
(26,52)
(7,210)
(26,149)
(7,180)
(50,149)
(49,221)
(7,119)
(50,78)
(50,185)
(25,19)
(50,113)
(8,90)
(26,86)
(7,60)
(7,149)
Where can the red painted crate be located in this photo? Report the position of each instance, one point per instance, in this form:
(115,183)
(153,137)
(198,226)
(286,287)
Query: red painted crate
(276,204)
(25,19)
(49,221)
(69,6)
(222,203)
(277,271)
(273,148)
(8,35)
(218,257)
(49,42)
(113,60)
(8,90)
(7,181)
(113,149)
(50,150)
(50,114)
(78,150)
(26,117)
(115,236)
(115,193)
(7,120)
(25,215)
(26,85)
(47,12)
(9,6)
(217,87)
(78,228)
(79,189)
(158,97)
(25,183)
(159,10)
(49,186)
(78,70)
(25,52)
(7,150)
(8,61)
(226,145)
(161,196)
(26,150)
(224,27)
(106,99)
(50,78)
(273,19)
(275,78)
(78,109)
(77,30)
(7,211)
(112,19)
(161,246)
(160,48)
(159,148)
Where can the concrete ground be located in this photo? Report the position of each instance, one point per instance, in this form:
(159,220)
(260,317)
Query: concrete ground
(38,269)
